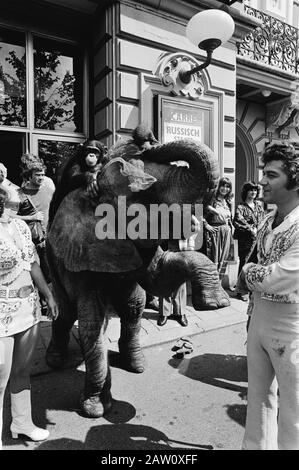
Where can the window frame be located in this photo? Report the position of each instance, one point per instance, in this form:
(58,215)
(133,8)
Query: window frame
(280,11)
(32,133)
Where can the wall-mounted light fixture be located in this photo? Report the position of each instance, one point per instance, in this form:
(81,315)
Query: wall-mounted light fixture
(208,30)
(180,71)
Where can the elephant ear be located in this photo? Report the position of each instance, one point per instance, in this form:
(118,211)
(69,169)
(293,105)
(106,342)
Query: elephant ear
(136,178)
(73,240)
(73,232)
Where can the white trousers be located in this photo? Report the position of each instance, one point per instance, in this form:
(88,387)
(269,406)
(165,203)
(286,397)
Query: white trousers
(273,377)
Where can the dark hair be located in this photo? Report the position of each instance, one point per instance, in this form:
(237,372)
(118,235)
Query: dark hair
(290,159)
(3,200)
(30,164)
(222,182)
(248,186)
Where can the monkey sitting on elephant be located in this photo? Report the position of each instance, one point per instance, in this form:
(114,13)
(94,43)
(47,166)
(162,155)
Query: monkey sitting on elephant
(79,171)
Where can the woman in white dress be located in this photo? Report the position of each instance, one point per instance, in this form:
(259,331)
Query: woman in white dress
(20,314)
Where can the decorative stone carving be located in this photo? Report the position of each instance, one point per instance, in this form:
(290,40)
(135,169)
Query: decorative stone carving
(168,69)
(282,117)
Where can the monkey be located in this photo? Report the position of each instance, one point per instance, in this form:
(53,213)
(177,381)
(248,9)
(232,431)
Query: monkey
(143,137)
(79,171)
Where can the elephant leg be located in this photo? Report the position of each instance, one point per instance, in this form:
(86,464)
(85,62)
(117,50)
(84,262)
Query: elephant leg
(57,351)
(130,307)
(96,398)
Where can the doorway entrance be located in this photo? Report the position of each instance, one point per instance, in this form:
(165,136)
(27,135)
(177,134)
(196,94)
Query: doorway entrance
(12,145)
(241,170)
(246,162)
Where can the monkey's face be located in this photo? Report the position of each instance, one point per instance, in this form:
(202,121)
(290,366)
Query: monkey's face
(91,159)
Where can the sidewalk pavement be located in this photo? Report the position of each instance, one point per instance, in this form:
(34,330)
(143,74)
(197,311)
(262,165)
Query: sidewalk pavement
(151,333)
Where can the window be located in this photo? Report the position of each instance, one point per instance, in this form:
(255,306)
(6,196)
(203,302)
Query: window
(54,153)
(251,3)
(43,98)
(56,88)
(277,6)
(12,79)
(58,84)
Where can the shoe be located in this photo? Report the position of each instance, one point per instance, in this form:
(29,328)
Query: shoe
(182,320)
(21,418)
(162,320)
(36,434)
(182,346)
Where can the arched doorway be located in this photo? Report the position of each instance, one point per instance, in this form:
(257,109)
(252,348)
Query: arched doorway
(246,168)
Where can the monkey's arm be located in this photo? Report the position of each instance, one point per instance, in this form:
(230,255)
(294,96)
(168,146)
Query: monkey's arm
(75,178)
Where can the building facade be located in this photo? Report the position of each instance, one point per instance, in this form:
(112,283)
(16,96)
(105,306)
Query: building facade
(267,83)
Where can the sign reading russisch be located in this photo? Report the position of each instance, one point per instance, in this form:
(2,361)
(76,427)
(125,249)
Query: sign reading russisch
(182,122)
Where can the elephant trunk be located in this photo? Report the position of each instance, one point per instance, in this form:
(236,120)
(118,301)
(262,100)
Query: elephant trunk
(203,166)
(207,291)
(171,269)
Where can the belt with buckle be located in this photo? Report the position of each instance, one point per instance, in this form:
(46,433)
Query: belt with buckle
(20,293)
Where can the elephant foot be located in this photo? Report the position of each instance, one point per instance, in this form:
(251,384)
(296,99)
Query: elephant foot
(211,299)
(96,406)
(131,358)
(55,357)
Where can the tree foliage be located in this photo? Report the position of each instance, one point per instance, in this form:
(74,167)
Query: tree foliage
(53,94)
(54,101)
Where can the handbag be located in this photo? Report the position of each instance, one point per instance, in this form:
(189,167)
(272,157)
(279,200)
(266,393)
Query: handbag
(36,228)
(37,232)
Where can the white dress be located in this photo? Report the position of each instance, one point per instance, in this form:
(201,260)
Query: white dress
(17,253)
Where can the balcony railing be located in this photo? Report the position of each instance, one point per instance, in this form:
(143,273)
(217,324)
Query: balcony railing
(274,43)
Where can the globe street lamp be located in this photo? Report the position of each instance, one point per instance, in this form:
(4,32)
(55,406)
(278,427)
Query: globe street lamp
(179,70)
(207,30)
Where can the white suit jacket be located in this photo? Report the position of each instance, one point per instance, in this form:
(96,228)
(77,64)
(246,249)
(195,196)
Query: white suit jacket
(276,275)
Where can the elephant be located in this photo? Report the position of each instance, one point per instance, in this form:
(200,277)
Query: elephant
(92,275)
